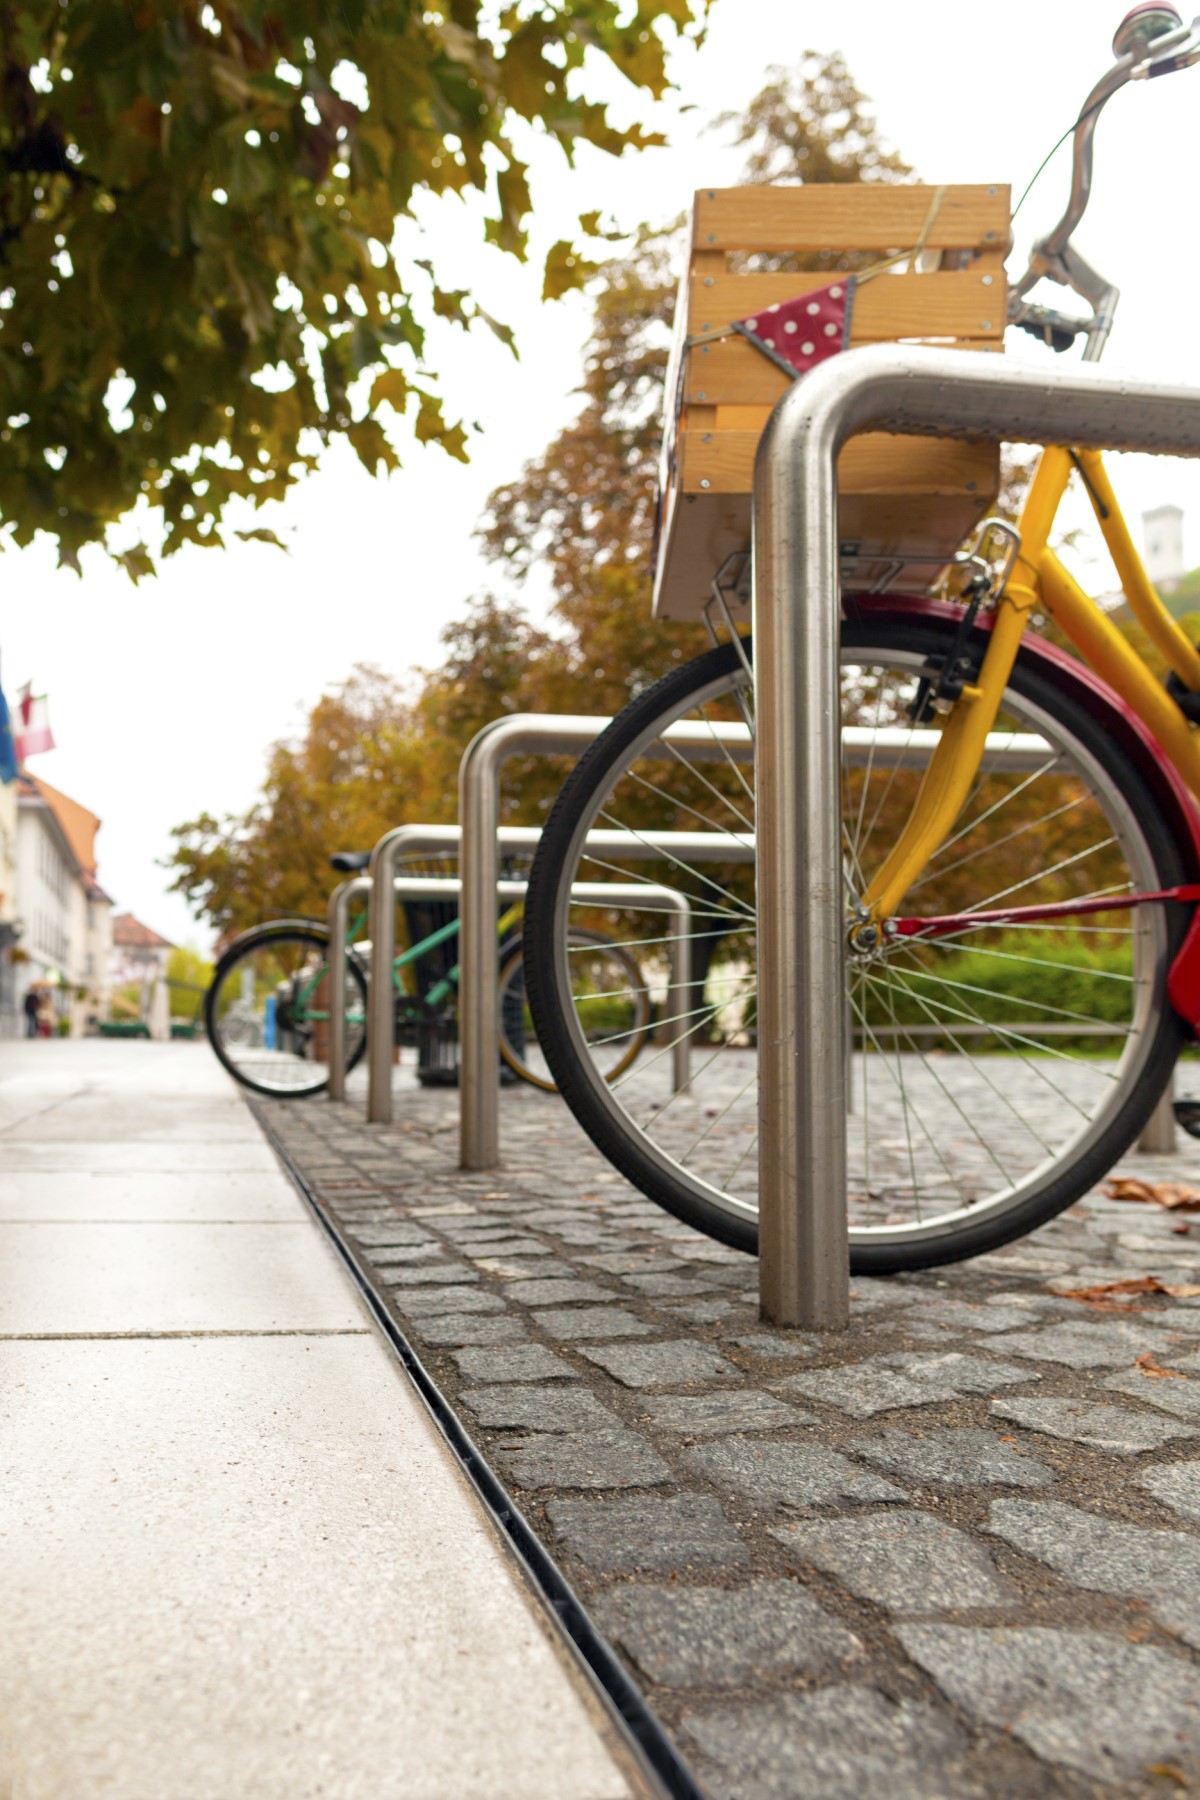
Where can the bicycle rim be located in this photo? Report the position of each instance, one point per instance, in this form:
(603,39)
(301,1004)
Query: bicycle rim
(267,1012)
(613,1003)
(996,1073)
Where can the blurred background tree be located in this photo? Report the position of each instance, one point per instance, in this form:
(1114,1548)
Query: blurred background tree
(197,209)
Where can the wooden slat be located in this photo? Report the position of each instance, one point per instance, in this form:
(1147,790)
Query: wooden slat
(732,372)
(960,304)
(850,216)
(722,462)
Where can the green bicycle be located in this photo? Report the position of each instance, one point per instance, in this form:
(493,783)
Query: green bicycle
(268,1008)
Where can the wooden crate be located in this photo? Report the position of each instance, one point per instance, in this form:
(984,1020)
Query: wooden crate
(897,496)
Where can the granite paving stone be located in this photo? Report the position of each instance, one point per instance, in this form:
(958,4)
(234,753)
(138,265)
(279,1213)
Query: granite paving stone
(907,1561)
(1102,1344)
(623,1262)
(427,1274)
(963,1316)
(1089,1700)
(1181,1397)
(700,1312)
(401,1255)
(771,1475)
(544,1254)
(776,1346)
(524,1362)
(651,1535)
(397,1234)
(708,1637)
(1091,1422)
(604,1457)
(1177,1485)
(956,1372)
(518,1269)
(661,1365)
(575,1323)
(964,1457)
(550,1408)
(857,1742)
(899,1379)
(712,1415)
(862,1389)
(1110,1556)
(420,1302)
(664,1286)
(554,1292)
(459,1328)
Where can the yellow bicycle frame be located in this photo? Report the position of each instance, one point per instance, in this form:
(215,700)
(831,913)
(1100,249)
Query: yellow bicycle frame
(1039,581)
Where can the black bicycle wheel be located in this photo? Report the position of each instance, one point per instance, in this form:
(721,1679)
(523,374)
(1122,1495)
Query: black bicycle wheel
(997,1073)
(268,1008)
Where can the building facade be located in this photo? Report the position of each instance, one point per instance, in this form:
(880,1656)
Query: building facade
(62,916)
(138,953)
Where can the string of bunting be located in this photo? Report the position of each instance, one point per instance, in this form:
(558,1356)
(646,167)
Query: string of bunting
(798,334)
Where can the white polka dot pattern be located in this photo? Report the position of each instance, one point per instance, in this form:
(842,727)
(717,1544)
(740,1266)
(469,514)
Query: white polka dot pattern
(807,330)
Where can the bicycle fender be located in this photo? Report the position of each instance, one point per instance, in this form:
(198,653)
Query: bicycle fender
(301,922)
(1121,723)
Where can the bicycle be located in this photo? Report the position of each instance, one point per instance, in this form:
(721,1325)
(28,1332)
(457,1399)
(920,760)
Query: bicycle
(267,1009)
(1018,937)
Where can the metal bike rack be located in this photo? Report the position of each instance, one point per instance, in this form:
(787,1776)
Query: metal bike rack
(439,888)
(547,734)
(803,1266)
(479,808)
(339,912)
(413,840)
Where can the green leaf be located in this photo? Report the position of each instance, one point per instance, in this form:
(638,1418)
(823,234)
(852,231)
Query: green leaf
(565,270)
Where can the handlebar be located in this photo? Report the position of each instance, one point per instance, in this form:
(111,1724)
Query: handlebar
(1150,41)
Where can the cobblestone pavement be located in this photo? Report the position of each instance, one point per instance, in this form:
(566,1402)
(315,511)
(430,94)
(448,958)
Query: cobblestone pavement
(953,1552)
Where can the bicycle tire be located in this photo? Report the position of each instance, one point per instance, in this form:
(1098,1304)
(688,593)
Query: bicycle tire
(1122,794)
(641,1032)
(298,933)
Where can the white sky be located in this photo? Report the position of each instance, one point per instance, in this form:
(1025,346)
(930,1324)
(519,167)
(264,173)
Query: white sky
(164,698)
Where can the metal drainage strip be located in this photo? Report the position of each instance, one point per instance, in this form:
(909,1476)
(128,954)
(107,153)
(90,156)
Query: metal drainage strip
(625,1705)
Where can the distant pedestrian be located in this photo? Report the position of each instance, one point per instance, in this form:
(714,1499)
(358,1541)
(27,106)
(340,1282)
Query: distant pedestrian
(31,1004)
(45,1024)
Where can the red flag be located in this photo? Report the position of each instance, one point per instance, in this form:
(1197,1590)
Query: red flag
(798,334)
(31,727)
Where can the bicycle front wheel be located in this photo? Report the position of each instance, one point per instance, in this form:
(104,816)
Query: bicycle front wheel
(997,1072)
(267,1011)
(611,1001)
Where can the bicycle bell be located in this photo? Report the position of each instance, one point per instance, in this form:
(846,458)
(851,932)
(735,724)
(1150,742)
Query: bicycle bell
(1141,25)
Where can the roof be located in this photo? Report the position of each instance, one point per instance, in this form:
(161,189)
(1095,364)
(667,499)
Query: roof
(79,826)
(129,933)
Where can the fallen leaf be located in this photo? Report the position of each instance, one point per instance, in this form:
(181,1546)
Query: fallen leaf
(1171,1194)
(1149,1364)
(1106,1296)
(1168,1772)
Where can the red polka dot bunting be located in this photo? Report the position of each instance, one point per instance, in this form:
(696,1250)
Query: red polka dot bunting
(806,331)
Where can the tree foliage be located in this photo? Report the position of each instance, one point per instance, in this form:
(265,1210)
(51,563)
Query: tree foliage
(197,209)
(582,515)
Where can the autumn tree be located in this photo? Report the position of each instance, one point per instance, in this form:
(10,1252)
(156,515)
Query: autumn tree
(199,280)
(335,787)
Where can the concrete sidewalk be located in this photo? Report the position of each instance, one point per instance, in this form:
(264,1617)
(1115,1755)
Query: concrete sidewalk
(235,1557)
